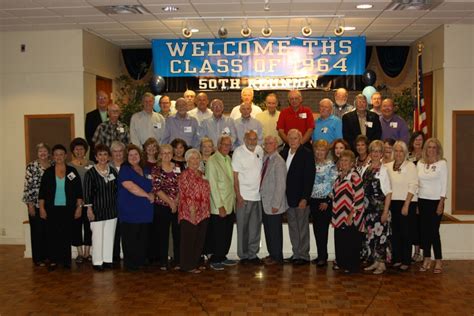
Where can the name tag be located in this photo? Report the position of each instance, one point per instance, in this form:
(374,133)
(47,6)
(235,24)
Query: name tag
(188,129)
(88,167)
(71,176)
(369,124)
(302,115)
(157,125)
(319,169)
(177,170)
(121,130)
(226,131)
(324,130)
(394,124)
(148,176)
(111,177)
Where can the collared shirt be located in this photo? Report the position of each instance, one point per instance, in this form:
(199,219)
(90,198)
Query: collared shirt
(200,116)
(242,125)
(103,116)
(339,111)
(362,118)
(328,129)
(302,119)
(326,174)
(378,112)
(235,113)
(216,127)
(170,112)
(185,128)
(248,164)
(108,132)
(144,125)
(269,124)
(395,128)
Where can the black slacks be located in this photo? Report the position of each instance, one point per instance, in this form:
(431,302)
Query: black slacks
(348,243)
(222,229)
(154,236)
(321,221)
(403,231)
(192,243)
(430,222)
(134,242)
(272,225)
(59,226)
(39,237)
(78,238)
(117,242)
(166,219)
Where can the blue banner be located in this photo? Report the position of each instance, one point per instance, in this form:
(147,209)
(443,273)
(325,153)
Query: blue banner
(259,57)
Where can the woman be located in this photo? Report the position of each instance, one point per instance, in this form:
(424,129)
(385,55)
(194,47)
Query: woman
(348,214)
(404,181)
(321,203)
(79,161)
(151,149)
(388,150)
(34,172)
(363,157)
(117,149)
(60,202)
(415,149)
(193,212)
(338,145)
(378,194)
(433,181)
(100,198)
(207,149)
(179,148)
(135,208)
(165,188)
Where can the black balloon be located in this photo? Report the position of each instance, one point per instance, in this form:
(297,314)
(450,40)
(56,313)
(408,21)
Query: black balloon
(369,77)
(157,84)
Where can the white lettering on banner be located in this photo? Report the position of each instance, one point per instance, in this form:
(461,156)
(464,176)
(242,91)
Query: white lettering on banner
(258,83)
(177,49)
(346,48)
(197,49)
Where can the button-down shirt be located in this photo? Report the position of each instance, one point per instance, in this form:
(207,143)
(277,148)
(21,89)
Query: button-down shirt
(339,111)
(302,119)
(216,127)
(235,113)
(144,125)
(269,124)
(242,125)
(185,128)
(108,132)
(395,128)
(200,116)
(328,129)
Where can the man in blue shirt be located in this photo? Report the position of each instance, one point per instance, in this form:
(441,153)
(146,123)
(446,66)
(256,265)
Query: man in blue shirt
(327,125)
(181,125)
(393,126)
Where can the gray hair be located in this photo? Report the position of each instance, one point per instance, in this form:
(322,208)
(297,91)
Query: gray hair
(190,152)
(219,141)
(117,145)
(43,145)
(403,146)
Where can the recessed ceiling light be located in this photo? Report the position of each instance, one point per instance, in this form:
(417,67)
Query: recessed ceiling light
(349,28)
(194,30)
(170,8)
(364,6)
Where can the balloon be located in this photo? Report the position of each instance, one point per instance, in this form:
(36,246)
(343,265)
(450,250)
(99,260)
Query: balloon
(157,84)
(368,91)
(369,77)
(156,106)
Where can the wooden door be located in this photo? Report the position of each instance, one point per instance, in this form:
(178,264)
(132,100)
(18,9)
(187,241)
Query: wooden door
(104,84)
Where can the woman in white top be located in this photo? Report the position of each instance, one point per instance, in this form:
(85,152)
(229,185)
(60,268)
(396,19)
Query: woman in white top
(433,181)
(404,181)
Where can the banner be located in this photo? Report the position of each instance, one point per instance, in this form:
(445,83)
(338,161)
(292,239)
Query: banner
(268,58)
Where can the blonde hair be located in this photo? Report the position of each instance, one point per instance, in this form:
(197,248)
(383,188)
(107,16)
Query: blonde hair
(376,144)
(321,143)
(402,145)
(439,149)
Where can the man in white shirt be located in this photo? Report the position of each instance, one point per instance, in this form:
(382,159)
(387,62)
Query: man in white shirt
(201,112)
(376,100)
(269,117)
(247,165)
(146,123)
(247,98)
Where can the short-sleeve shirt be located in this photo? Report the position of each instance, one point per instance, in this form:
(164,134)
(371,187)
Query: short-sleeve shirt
(134,209)
(249,165)
(302,119)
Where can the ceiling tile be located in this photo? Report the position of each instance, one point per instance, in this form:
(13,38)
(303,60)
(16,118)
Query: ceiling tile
(221,7)
(18,4)
(104,25)
(448,14)
(11,21)
(396,22)
(91,19)
(158,8)
(438,21)
(31,12)
(132,17)
(455,6)
(112,2)
(114,32)
(77,11)
(403,14)
(61,3)
(359,13)
(48,20)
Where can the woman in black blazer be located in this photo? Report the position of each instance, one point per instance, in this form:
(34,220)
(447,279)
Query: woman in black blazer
(60,201)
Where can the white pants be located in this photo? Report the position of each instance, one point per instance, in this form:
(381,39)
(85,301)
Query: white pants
(103,233)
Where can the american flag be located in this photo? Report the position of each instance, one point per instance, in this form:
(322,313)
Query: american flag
(419,121)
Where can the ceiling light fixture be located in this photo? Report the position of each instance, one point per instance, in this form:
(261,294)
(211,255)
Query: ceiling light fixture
(170,8)
(222,31)
(186,31)
(364,6)
(349,28)
(246,31)
(339,30)
(266,5)
(267,30)
(306,30)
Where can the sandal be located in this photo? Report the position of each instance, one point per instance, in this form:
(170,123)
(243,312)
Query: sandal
(438,270)
(195,271)
(425,267)
(79,259)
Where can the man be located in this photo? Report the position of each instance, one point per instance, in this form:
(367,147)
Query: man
(190,97)
(94,118)
(165,106)
(247,165)
(218,125)
(296,116)
(376,100)
(247,98)
(360,122)
(181,126)
(146,123)
(393,126)
(341,108)
(269,117)
(299,184)
(201,112)
(274,204)
(328,126)
(112,130)
(246,123)
(221,179)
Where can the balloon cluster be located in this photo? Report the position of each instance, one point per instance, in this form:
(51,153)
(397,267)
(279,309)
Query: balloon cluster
(157,84)
(368,78)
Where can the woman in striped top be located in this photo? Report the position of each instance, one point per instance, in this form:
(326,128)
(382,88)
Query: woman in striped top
(348,214)
(100,195)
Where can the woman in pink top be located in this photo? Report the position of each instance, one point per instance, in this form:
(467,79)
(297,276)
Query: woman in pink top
(193,211)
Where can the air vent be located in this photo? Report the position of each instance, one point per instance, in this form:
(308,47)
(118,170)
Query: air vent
(400,5)
(123,9)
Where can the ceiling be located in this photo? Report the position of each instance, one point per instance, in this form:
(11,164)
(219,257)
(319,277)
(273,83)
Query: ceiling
(380,26)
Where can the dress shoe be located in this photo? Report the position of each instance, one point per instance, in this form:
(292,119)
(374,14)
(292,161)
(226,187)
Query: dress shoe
(288,260)
(372,267)
(380,268)
(255,261)
(321,263)
(244,261)
(99,268)
(108,265)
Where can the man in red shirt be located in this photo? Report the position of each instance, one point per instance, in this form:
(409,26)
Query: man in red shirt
(296,116)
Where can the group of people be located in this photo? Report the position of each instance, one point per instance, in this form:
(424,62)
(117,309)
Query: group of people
(190,173)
